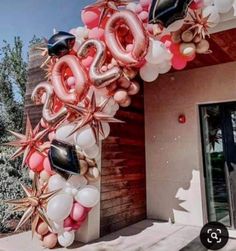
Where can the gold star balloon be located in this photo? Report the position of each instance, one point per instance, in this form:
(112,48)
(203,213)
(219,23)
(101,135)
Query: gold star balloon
(30,141)
(93,115)
(108,7)
(199,24)
(33,205)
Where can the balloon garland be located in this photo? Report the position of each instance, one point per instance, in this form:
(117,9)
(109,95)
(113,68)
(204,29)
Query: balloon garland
(91,73)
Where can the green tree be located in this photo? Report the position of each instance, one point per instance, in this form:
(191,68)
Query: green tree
(13,77)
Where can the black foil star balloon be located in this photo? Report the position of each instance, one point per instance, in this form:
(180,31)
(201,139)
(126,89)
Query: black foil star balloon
(167,12)
(60,44)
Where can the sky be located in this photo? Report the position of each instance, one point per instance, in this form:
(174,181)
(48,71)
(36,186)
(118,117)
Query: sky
(26,18)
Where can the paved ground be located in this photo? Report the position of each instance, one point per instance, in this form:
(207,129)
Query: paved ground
(146,235)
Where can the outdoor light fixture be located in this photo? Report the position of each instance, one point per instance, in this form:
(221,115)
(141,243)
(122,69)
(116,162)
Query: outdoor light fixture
(182,119)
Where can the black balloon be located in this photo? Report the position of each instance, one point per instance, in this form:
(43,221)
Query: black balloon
(63,158)
(60,44)
(167,12)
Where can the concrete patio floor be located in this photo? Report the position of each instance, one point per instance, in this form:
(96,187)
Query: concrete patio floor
(147,235)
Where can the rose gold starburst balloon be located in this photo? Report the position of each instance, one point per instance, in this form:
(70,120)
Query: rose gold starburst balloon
(33,205)
(27,142)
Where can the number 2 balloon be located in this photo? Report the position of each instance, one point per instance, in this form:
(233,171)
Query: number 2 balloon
(167,12)
(60,44)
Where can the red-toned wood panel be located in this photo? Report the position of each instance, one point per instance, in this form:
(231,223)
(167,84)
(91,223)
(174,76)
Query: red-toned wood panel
(223,46)
(123,198)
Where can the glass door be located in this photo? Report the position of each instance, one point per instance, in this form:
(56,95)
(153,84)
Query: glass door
(218,123)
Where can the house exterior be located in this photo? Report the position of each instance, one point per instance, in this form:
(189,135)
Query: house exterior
(158,165)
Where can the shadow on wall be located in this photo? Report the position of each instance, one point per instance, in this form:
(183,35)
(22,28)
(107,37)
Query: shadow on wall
(188,211)
(179,202)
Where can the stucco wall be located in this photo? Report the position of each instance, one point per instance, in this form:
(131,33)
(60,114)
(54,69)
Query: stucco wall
(174,171)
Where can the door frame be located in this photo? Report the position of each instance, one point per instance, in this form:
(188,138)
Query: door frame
(232,231)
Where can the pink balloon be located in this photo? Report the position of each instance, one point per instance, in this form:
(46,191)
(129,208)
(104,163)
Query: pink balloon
(91,17)
(35,161)
(47,166)
(143,15)
(178,63)
(139,8)
(150,28)
(71,81)
(196,4)
(97,33)
(68,223)
(87,61)
(129,47)
(51,136)
(78,212)
(145,3)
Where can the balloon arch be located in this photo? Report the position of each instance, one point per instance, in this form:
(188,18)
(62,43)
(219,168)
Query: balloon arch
(91,72)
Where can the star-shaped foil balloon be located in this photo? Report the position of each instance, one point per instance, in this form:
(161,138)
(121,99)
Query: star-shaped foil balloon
(107,7)
(167,12)
(33,205)
(199,24)
(93,115)
(30,141)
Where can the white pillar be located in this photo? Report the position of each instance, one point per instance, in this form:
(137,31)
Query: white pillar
(90,229)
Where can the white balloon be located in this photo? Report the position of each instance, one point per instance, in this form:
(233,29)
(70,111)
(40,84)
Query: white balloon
(56,182)
(223,6)
(207,2)
(85,138)
(164,67)
(106,130)
(68,190)
(59,207)
(63,132)
(77,181)
(92,152)
(131,6)
(214,18)
(88,196)
(66,239)
(81,32)
(175,26)
(57,227)
(157,52)
(149,72)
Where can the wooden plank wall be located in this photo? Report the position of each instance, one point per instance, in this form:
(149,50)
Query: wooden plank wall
(123,200)
(35,76)
(123,195)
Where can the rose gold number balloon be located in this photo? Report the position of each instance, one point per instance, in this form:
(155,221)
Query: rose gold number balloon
(98,78)
(81,80)
(124,57)
(48,115)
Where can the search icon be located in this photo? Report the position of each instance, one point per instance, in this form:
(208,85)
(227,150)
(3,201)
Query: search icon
(214,236)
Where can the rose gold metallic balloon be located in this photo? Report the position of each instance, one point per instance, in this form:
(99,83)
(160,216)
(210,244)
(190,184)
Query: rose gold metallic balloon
(81,80)
(126,103)
(124,57)
(50,240)
(48,115)
(120,96)
(42,228)
(134,88)
(98,78)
